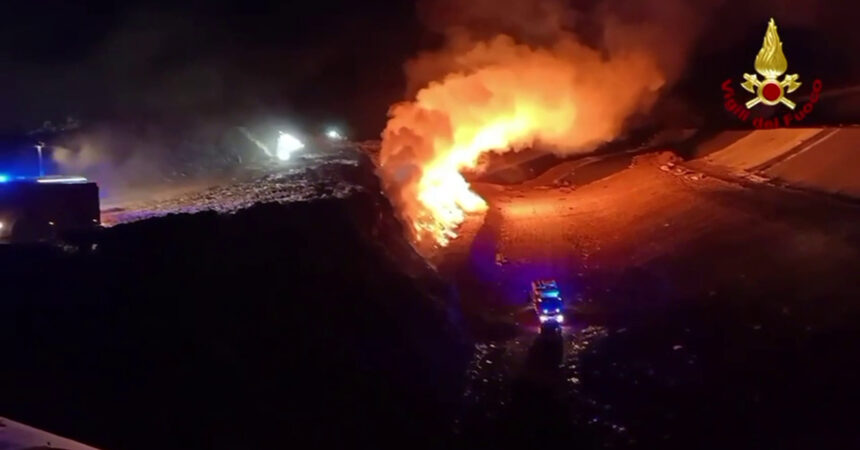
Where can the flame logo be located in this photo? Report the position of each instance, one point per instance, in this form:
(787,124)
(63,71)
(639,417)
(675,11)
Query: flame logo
(771,62)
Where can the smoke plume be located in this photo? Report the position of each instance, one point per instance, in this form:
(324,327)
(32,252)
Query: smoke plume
(516,73)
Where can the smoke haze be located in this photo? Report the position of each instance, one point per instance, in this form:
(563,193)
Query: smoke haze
(511,75)
(568,76)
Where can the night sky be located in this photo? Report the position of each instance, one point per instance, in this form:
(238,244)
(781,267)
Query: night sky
(135,60)
(323,61)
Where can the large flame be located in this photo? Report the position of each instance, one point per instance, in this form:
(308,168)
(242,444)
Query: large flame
(506,96)
(770,61)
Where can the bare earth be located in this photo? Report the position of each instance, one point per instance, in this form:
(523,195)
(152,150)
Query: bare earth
(698,305)
(704,312)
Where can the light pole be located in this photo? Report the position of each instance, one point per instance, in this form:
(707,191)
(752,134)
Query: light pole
(39,147)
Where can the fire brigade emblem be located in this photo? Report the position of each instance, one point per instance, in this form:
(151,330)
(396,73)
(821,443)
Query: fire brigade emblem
(771,64)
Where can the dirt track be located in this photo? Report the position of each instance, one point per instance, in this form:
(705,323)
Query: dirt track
(716,305)
(704,236)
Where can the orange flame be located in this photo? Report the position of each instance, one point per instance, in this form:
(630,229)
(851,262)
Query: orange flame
(505,97)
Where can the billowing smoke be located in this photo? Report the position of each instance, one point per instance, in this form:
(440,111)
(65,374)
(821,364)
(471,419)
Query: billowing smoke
(514,74)
(161,89)
(136,161)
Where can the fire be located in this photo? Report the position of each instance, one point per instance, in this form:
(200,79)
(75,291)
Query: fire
(504,97)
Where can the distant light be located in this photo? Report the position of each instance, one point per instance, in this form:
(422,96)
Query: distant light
(4,178)
(287,144)
(62,180)
(1,225)
(333,134)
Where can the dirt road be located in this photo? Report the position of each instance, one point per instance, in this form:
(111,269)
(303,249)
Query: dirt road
(705,305)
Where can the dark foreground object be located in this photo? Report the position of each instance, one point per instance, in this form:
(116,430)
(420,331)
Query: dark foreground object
(32,210)
(311,323)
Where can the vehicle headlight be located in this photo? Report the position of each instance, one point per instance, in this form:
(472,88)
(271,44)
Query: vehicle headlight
(559,318)
(543,318)
(334,134)
(287,144)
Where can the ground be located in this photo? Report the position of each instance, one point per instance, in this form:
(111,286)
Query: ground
(290,308)
(699,305)
(706,310)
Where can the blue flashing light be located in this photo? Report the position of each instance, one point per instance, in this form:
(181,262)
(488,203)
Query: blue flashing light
(553,294)
(4,178)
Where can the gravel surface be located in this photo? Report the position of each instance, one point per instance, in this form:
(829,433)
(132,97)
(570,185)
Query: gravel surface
(712,306)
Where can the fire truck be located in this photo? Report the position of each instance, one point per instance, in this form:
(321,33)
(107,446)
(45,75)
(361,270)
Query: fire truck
(43,209)
(548,304)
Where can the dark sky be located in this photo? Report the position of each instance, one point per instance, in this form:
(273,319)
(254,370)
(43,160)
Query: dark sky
(323,60)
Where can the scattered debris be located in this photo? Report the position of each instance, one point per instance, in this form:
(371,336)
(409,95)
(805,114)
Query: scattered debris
(500,259)
(675,169)
(756,177)
(325,178)
(660,158)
